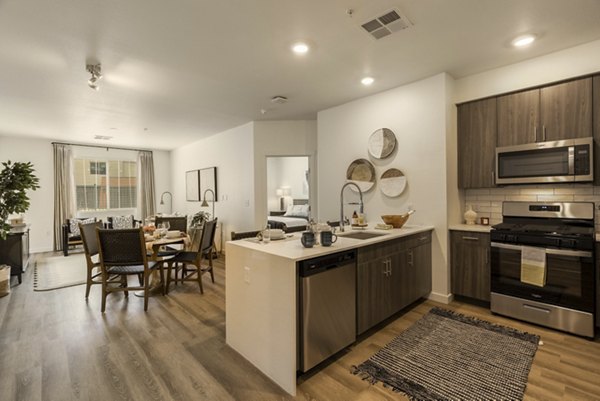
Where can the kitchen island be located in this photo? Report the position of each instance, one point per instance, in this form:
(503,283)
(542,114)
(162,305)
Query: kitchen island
(262,296)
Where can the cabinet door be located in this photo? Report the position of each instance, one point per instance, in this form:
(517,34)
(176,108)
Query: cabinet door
(518,118)
(566,110)
(476,143)
(411,275)
(597,284)
(374,293)
(470,269)
(596,121)
(421,264)
(402,280)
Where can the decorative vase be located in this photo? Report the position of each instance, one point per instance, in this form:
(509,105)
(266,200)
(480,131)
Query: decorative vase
(470,215)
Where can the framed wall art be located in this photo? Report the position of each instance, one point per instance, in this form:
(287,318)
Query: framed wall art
(208,180)
(192,186)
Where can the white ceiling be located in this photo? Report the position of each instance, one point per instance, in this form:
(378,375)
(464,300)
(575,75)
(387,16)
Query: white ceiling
(190,68)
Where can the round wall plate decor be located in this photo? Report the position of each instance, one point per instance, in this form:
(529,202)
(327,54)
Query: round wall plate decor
(362,173)
(392,182)
(382,143)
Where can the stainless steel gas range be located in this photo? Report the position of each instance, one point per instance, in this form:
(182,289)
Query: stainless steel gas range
(543,265)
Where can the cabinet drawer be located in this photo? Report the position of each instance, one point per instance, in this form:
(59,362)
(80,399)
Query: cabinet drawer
(390,247)
(469,237)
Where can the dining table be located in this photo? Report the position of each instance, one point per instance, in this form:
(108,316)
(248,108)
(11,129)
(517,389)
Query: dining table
(155,244)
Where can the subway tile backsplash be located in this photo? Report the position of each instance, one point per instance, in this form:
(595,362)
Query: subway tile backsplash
(488,202)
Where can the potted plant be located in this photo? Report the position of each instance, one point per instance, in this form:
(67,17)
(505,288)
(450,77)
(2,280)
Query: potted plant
(195,227)
(199,219)
(15,179)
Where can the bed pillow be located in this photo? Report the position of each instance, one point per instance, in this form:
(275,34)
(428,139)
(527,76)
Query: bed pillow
(297,211)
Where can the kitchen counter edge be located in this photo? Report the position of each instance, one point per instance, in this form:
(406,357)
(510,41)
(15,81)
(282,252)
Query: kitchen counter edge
(292,248)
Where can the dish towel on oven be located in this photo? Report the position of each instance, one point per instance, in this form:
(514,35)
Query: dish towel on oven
(533,266)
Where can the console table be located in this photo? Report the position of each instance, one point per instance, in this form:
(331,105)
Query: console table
(14,251)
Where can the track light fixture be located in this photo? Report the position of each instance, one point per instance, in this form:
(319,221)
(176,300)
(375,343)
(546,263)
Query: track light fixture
(95,70)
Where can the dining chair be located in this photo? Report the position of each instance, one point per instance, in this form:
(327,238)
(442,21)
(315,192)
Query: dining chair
(178,223)
(247,234)
(175,223)
(90,248)
(195,258)
(123,253)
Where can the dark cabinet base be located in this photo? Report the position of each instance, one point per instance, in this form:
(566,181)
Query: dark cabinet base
(14,251)
(390,276)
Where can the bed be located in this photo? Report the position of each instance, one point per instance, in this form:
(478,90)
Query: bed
(295,218)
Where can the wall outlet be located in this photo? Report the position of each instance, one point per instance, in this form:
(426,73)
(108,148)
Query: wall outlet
(246,275)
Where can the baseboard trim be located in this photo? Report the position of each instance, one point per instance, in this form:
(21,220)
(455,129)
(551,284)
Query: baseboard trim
(40,250)
(442,298)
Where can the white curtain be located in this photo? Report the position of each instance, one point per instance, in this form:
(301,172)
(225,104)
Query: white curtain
(146,193)
(64,190)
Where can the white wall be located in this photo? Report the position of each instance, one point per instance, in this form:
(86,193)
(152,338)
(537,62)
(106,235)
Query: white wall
(286,172)
(564,64)
(282,138)
(232,153)
(41,213)
(417,114)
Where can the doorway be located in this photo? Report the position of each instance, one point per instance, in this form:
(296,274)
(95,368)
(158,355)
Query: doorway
(288,179)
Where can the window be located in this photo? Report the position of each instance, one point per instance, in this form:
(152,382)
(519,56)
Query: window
(105,184)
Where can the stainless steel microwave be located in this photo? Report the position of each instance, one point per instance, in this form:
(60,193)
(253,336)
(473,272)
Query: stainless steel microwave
(570,160)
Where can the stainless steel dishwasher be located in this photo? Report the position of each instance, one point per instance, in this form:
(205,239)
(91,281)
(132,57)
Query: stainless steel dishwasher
(328,306)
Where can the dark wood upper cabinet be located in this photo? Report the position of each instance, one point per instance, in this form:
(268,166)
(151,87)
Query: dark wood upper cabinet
(596,125)
(476,143)
(518,118)
(566,110)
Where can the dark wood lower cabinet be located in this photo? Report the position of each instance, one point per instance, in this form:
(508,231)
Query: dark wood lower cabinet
(470,264)
(597,284)
(14,251)
(391,276)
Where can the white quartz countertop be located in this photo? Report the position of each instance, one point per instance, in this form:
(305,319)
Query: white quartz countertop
(291,247)
(471,227)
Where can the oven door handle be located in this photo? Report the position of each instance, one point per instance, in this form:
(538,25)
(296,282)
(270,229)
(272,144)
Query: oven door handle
(562,252)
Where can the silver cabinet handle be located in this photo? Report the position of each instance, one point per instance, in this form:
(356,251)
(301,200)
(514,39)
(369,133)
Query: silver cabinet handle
(544,133)
(535,133)
(390,266)
(411,260)
(471,238)
(424,238)
(385,267)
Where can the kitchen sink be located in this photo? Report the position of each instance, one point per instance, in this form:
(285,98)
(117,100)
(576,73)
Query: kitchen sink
(361,235)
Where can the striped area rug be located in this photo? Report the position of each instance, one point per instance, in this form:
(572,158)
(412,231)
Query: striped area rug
(449,356)
(54,272)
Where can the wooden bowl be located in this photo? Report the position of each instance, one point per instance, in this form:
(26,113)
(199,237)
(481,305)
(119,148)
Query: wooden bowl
(395,220)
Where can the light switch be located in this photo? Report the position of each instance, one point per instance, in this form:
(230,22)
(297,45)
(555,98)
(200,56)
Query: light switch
(247,274)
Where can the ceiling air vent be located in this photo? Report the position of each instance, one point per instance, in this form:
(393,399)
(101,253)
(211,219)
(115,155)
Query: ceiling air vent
(103,137)
(386,24)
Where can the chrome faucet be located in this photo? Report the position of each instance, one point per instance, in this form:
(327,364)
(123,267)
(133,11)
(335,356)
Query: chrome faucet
(360,203)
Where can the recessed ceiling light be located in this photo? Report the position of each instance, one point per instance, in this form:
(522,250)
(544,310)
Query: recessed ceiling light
(300,48)
(523,41)
(367,81)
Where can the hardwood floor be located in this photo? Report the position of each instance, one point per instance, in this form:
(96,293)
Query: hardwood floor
(56,346)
